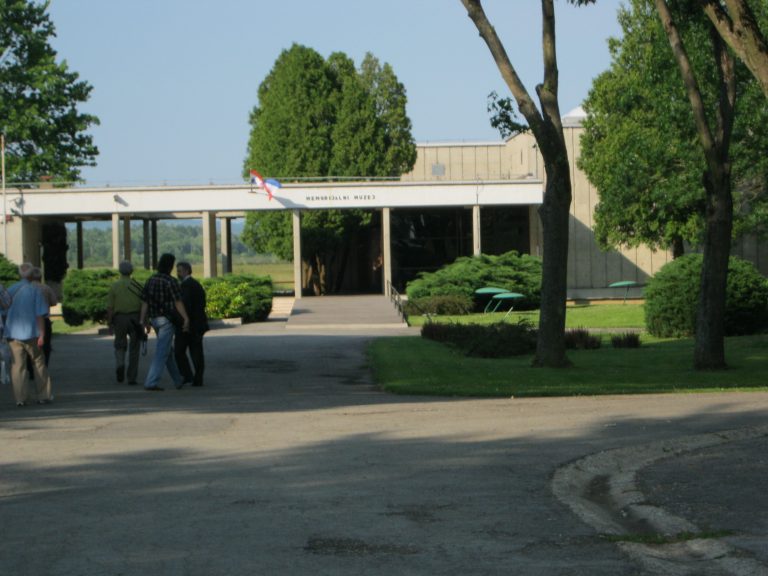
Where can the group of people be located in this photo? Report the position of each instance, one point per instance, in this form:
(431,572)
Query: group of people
(175,309)
(26,327)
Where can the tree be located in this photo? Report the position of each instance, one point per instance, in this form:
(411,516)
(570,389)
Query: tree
(44,132)
(546,126)
(323,118)
(714,126)
(637,146)
(737,24)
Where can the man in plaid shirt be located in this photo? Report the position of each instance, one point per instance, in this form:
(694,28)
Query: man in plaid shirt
(161,303)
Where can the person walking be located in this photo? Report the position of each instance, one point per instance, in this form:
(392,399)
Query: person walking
(161,304)
(193,297)
(123,311)
(36,277)
(25,330)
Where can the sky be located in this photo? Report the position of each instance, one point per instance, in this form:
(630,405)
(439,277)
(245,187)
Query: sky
(174,81)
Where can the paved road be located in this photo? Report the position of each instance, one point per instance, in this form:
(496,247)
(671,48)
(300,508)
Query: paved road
(290,461)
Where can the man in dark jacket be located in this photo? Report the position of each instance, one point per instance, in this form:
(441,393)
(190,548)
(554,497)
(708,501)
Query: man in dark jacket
(193,296)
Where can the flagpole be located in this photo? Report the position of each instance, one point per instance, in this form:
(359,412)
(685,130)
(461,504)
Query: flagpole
(5,215)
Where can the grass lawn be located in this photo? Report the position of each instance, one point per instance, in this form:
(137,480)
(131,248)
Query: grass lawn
(628,315)
(414,365)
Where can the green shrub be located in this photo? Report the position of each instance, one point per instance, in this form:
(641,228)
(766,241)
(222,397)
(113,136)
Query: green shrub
(512,271)
(497,340)
(446,304)
(239,296)
(84,295)
(581,339)
(626,340)
(671,298)
(9,272)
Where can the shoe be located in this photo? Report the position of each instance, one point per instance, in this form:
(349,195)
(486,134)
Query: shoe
(21,404)
(181,384)
(154,389)
(132,383)
(46,401)
(197,384)
(120,372)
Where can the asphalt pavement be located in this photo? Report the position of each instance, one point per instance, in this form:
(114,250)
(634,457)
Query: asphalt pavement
(291,461)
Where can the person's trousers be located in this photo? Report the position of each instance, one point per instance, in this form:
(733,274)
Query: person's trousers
(194,343)
(20,351)
(163,354)
(127,337)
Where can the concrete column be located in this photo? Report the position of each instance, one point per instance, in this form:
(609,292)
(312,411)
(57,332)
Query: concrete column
(386,249)
(79,236)
(153,243)
(226,246)
(127,251)
(476,231)
(296,219)
(115,240)
(147,245)
(209,245)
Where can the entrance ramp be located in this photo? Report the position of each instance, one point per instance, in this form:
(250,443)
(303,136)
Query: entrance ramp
(358,312)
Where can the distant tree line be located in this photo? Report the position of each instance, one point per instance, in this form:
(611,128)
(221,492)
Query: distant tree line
(186,242)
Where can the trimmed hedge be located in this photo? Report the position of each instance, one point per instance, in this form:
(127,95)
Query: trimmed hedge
(84,295)
(446,304)
(497,340)
(512,271)
(672,295)
(9,272)
(239,296)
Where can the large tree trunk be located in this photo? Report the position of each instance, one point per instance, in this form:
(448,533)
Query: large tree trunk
(548,131)
(709,349)
(554,213)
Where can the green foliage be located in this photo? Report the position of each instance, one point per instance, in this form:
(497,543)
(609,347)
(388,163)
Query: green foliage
(497,340)
(671,298)
(45,134)
(318,118)
(626,340)
(581,339)
(233,296)
(84,295)
(515,272)
(9,272)
(641,151)
(452,304)
(238,296)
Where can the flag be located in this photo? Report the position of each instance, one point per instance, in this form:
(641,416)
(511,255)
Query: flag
(269,185)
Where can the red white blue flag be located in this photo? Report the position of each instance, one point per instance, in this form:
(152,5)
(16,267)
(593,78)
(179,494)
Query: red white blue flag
(269,185)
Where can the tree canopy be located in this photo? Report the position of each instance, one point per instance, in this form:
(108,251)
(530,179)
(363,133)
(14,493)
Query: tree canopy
(324,118)
(45,133)
(640,145)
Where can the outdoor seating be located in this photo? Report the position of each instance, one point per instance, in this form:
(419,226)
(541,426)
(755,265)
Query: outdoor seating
(491,291)
(505,297)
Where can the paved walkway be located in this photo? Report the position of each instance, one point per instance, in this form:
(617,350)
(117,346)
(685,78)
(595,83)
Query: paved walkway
(290,461)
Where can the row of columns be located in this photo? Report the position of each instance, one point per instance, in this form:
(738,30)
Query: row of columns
(210,269)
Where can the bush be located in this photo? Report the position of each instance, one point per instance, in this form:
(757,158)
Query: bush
(671,298)
(581,339)
(9,272)
(512,271)
(447,304)
(239,296)
(626,340)
(84,295)
(486,341)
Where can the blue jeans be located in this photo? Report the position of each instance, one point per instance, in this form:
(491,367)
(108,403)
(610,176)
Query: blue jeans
(163,354)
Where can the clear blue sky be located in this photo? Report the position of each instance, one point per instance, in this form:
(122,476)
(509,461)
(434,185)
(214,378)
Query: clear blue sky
(175,80)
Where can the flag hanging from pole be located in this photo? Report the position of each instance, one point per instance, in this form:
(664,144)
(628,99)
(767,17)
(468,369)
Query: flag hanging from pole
(269,185)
